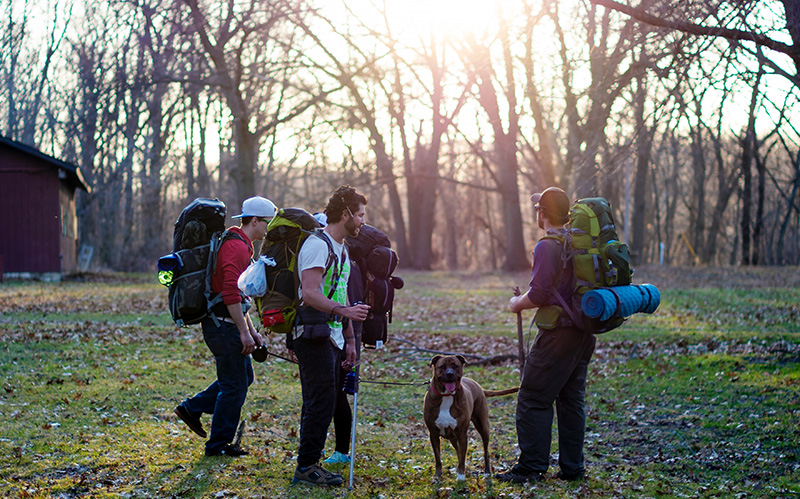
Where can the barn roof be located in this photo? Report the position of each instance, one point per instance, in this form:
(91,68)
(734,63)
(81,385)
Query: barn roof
(73,174)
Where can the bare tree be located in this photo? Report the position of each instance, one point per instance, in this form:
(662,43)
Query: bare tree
(608,48)
(791,200)
(237,40)
(735,27)
(26,64)
(644,143)
(504,155)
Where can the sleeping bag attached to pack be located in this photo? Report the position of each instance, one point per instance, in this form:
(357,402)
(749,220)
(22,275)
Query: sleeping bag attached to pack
(373,262)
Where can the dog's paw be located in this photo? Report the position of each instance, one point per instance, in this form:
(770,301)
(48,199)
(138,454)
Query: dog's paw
(461,478)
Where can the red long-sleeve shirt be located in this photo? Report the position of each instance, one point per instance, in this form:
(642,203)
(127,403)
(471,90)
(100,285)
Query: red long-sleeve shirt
(233,258)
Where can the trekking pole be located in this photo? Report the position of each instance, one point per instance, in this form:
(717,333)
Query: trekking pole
(519,337)
(351,386)
(239,431)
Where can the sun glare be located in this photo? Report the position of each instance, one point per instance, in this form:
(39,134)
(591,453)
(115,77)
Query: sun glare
(448,18)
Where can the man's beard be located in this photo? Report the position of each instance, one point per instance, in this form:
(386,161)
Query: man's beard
(351,228)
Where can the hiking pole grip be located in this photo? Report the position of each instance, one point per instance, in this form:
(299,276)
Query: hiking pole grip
(519,337)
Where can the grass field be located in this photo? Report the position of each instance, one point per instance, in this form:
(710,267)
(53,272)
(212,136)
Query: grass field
(700,399)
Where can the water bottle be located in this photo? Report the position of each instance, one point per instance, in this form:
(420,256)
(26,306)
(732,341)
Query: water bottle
(350,383)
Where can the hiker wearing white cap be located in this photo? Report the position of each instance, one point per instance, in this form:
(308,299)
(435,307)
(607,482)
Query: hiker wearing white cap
(231,337)
(557,363)
(257,206)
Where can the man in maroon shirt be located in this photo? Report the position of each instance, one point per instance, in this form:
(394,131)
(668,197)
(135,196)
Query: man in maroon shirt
(557,363)
(230,335)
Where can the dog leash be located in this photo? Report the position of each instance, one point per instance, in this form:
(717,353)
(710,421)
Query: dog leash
(416,383)
(360,380)
(279,356)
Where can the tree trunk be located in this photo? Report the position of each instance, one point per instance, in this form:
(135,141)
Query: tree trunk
(698,215)
(505,154)
(644,143)
(745,195)
(516,258)
(758,229)
(726,183)
(422,189)
(790,209)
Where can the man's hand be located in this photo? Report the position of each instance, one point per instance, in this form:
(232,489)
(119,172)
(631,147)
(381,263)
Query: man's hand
(350,350)
(356,313)
(254,332)
(248,344)
(519,303)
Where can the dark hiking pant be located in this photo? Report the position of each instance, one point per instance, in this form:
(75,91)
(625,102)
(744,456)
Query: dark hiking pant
(343,416)
(225,397)
(555,371)
(319,371)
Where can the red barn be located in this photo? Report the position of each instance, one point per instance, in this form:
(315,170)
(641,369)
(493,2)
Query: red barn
(38,223)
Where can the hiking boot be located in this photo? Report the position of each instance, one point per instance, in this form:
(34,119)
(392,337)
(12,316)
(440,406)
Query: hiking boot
(337,458)
(193,422)
(570,478)
(316,475)
(517,477)
(229,451)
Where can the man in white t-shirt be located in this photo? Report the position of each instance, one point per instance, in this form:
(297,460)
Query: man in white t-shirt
(323,342)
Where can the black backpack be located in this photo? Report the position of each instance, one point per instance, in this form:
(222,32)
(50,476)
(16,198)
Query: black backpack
(187,271)
(374,261)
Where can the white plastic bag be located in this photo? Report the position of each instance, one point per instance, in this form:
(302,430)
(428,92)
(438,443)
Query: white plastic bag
(253,281)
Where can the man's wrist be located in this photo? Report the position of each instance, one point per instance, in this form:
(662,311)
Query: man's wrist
(333,310)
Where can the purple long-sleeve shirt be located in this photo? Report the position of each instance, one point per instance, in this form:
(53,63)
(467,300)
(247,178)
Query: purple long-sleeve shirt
(549,273)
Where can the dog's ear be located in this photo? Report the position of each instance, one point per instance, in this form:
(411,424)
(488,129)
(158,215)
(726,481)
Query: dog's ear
(461,359)
(435,359)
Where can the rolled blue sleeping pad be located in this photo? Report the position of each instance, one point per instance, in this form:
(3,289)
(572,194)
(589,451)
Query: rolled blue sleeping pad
(621,301)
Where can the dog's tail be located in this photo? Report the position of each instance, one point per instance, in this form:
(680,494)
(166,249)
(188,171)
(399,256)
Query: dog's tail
(497,393)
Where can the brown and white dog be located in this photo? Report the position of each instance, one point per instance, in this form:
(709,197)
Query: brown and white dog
(452,401)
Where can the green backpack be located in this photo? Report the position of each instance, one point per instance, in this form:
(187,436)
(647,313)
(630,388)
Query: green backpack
(286,233)
(599,260)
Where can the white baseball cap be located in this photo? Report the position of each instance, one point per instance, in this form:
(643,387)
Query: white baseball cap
(322,218)
(257,207)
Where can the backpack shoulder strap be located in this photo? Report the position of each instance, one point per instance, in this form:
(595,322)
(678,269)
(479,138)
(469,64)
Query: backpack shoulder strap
(565,241)
(566,255)
(216,244)
(333,260)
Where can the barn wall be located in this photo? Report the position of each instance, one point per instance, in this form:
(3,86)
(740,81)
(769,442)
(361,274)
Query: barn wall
(30,207)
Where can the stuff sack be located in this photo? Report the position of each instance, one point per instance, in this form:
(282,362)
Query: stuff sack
(286,234)
(199,232)
(374,262)
(599,259)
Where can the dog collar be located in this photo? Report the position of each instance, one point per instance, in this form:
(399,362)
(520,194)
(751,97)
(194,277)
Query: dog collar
(440,394)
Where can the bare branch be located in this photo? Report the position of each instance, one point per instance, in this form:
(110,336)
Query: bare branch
(695,29)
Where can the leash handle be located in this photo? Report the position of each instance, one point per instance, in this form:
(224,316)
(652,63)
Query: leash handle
(519,337)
